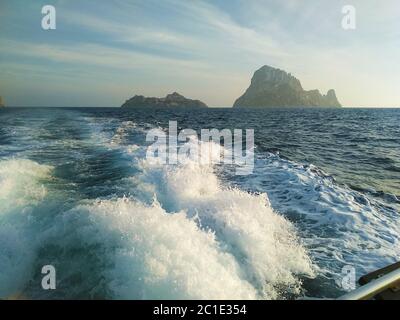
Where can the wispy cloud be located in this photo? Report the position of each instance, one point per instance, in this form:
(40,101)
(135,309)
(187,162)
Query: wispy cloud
(97,55)
(207,48)
(130,33)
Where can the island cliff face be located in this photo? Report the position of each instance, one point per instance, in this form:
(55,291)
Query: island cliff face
(271,87)
(172,100)
(1,102)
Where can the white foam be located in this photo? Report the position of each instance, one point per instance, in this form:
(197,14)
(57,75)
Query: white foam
(340,226)
(182,234)
(20,183)
(20,191)
(155,255)
(122,132)
(263,243)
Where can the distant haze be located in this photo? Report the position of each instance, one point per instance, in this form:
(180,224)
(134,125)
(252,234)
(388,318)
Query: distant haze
(104,52)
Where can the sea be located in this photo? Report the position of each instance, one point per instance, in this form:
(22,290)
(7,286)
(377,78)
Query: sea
(78,192)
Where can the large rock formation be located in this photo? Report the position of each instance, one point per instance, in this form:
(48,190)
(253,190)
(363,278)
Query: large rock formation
(171,100)
(272,87)
(1,102)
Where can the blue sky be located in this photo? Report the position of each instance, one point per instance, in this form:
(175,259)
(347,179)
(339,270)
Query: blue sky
(104,52)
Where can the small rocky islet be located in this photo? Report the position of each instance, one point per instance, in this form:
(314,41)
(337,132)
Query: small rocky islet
(271,87)
(173,100)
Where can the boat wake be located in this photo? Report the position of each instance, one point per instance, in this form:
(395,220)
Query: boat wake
(116,224)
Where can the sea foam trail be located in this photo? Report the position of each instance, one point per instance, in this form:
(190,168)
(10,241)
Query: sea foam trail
(338,225)
(21,191)
(179,234)
(20,183)
(263,243)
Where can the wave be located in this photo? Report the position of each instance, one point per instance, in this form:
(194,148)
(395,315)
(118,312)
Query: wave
(338,225)
(150,254)
(263,243)
(21,191)
(186,231)
(178,234)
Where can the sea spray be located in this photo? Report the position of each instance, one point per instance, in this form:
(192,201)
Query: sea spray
(264,244)
(146,253)
(21,190)
(171,147)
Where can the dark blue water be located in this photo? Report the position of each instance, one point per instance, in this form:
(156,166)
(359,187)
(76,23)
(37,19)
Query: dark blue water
(77,192)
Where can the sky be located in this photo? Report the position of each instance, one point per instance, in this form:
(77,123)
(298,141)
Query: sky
(103,52)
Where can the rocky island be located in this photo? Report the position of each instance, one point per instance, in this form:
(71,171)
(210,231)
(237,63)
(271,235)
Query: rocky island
(271,87)
(1,102)
(173,100)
